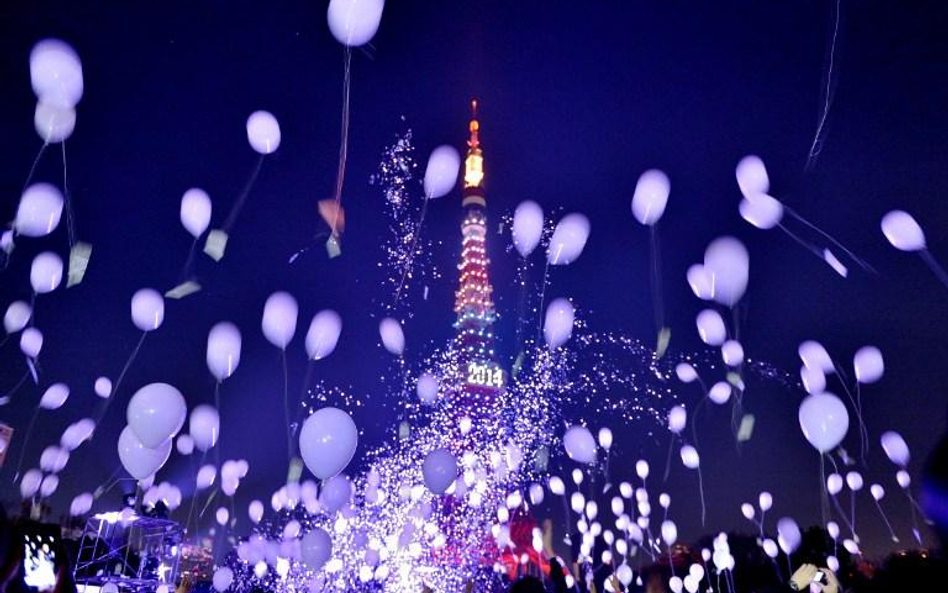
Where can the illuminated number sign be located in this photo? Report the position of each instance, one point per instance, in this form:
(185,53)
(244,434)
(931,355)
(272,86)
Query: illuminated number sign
(486,375)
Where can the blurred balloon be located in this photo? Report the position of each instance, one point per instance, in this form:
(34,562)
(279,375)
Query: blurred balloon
(761,210)
(895,448)
(204,426)
(727,261)
(752,176)
(195,211)
(336,493)
(56,73)
(280,313)
(53,123)
(30,483)
(558,325)
(732,353)
(39,211)
(527,227)
(54,396)
(568,240)
(690,457)
(328,441)
(669,533)
(580,445)
(222,579)
(677,418)
(824,421)
(700,281)
(255,511)
(605,438)
(902,231)
(103,387)
(17,316)
(31,342)
(354,22)
(81,504)
(868,364)
(720,392)
(788,535)
(650,197)
(711,328)
(323,334)
(46,272)
(77,433)
(49,485)
(765,500)
(223,350)
(156,413)
(685,372)
(854,481)
(148,309)
(316,548)
(137,459)
(427,388)
(184,444)
(442,171)
(205,476)
(834,483)
(263,132)
(392,336)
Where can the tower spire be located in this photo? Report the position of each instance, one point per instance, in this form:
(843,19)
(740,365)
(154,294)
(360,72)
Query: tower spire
(473,193)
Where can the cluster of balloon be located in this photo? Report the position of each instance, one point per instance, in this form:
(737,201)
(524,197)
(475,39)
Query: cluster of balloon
(195,217)
(764,501)
(15,319)
(263,135)
(328,441)
(155,414)
(690,458)
(280,314)
(648,206)
(441,175)
(897,451)
(764,212)
(905,234)
(52,399)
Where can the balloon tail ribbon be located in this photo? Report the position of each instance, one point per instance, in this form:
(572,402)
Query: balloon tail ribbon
(26,442)
(546,280)
(701,493)
(817,146)
(824,493)
(411,253)
(887,523)
(658,302)
(935,267)
(286,408)
(242,197)
(343,139)
(855,258)
(118,382)
(70,219)
(671,446)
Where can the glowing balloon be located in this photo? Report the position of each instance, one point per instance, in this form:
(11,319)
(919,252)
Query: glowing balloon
(669,533)
(761,210)
(222,578)
(39,212)
(834,483)
(527,227)
(442,171)
(255,511)
(137,459)
(263,132)
(336,493)
(868,364)
(788,535)
(31,342)
(568,240)
(392,336)
(748,511)
(53,459)
(77,433)
(54,397)
(752,176)
(17,316)
(895,448)
(204,426)
(316,548)
(195,211)
(558,324)
(815,356)
(81,504)
(280,313)
(46,272)
(814,381)
(720,392)
(727,261)
(184,444)
(877,491)
(824,421)
(677,418)
(53,123)
(641,468)
(56,73)
(323,334)
(427,388)
(854,481)
(580,445)
(685,372)
(700,281)
(536,494)
(605,438)
(205,476)
(354,22)
(902,231)
(328,441)
(148,309)
(711,328)
(156,413)
(30,483)
(903,478)
(223,350)
(49,485)
(732,353)
(440,469)
(103,387)
(556,486)
(690,457)
(650,197)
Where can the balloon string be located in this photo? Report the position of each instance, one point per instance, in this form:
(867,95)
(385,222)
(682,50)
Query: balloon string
(16,387)
(806,245)
(658,302)
(286,408)
(523,269)
(26,442)
(863,431)
(29,176)
(886,519)
(824,493)
(817,146)
(540,316)
(187,524)
(188,262)
(118,382)
(70,220)
(343,138)
(912,506)
(859,261)
(671,446)
(411,253)
(217,404)
(242,197)
(852,513)
(935,267)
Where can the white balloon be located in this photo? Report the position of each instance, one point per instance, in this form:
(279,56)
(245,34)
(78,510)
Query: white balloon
(752,176)
(788,535)
(204,426)
(184,444)
(669,532)
(902,231)
(675,584)
(442,171)
(536,494)
(440,469)
(690,457)
(46,272)
(580,445)
(903,478)
(148,309)
(748,511)
(205,476)
(700,281)
(691,583)
(328,441)
(323,334)
(195,211)
(255,511)
(711,328)
(39,211)
(732,353)
(56,73)
(392,336)
(30,483)
(854,481)
(354,22)
(824,420)
(17,316)
(605,438)
(53,123)
(568,240)
(761,210)
(103,387)
(137,459)
(556,486)
(685,372)
(222,579)
(53,459)
(765,500)
(54,396)
(427,388)
(650,197)
(77,433)
(156,413)
(868,364)
(815,356)
(81,504)
(222,516)
(527,227)
(223,350)
(834,483)
(316,548)
(720,392)
(31,342)
(895,448)
(641,468)
(727,260)
(49,485)
(677,418)
(814,381)
(877,491)
(280,313)
(558,324)
(263,132)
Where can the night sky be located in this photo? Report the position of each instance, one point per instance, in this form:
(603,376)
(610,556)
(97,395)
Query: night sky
(577,100)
